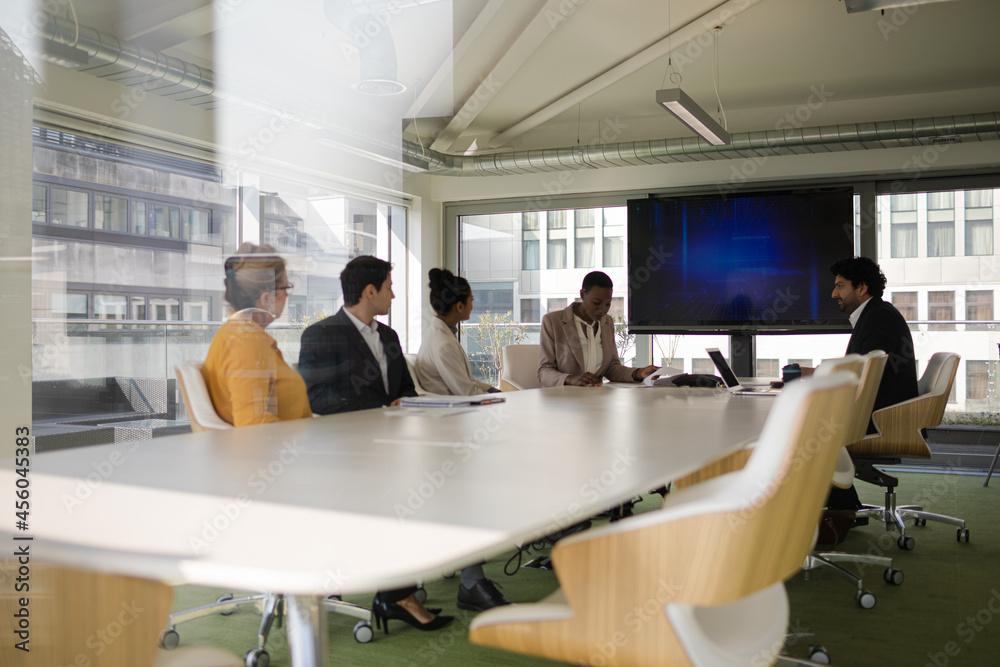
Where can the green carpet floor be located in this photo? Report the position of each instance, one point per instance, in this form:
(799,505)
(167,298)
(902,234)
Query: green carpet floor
(946,613)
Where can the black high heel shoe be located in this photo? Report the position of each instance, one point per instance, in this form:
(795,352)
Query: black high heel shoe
(383,611)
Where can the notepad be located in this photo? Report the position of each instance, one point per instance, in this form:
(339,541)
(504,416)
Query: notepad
(449,401)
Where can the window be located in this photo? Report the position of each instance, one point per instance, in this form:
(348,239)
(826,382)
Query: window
(110,307)
(196,226)
(976,380)
(978,236)
(557,219)
(165,309)
(39,194)
(978,306)
(530,221)
(703,367)
(768,368)
(165,221)
(69,305)
(139,217)
(903,239)
(941,306)
(138,307)
(978,199)
(557,254)
(531,310)
(941,239)
(617,309)
(587,217)
(555,305)
(110,213)
(906,304)
(529,256)
(614,251)
(197,310)
(584,253)
(904,202)
(937,201)
(69,207)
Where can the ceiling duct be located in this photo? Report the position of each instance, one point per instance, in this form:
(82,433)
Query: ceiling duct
(126,62)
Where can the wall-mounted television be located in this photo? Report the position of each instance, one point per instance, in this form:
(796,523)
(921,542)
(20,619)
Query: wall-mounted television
(750,262)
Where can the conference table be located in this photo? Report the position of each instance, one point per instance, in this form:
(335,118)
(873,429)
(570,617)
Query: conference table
(370,500)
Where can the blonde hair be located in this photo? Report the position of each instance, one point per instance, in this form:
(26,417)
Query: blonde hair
(252,271)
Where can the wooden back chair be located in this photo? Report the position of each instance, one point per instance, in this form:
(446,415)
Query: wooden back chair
(716,556)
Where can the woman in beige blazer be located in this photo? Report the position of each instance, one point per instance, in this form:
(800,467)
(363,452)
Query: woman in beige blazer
(578,342)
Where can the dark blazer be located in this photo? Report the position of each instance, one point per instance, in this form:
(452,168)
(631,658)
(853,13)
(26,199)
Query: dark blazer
(882,327)
(341,372)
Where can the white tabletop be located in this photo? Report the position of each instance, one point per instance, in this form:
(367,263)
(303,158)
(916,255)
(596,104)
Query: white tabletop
(370,500)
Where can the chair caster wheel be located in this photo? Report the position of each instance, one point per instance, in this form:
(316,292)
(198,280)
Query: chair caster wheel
(169,639)
(865,599)
(906,542)
(819,655)
(225,598)
(962,534)
(363,632)
(894,577)
(421,595)
(919,522)
(257,657)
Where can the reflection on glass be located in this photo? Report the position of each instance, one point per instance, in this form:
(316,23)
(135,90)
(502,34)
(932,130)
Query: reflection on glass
(165,221)
(38,208)
(138,311)
(196,227)
(164,309)
(139,217)
(110,307)
(196,310)
(69,207)
(110,213)
(70,306)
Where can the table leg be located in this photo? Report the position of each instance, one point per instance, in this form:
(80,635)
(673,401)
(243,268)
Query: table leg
(305,619)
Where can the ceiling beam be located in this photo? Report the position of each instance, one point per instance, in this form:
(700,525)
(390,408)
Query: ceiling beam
(447,68)
(530,39)
(721,15)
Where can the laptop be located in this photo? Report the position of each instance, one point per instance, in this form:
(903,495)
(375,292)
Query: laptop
(729,377)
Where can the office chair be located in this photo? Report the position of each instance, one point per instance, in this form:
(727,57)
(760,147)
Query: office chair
(712,562)
(203,417)
(901,434)
(519,367)
(869,368)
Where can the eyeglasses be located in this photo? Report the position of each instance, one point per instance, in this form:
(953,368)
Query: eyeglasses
(288,288)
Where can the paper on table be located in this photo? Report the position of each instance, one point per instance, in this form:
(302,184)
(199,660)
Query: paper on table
(664,374)
(449,401)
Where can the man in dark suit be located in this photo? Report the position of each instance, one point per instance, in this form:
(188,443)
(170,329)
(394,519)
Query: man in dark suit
(351,362)
(348,360)
(877,325)
(858,287)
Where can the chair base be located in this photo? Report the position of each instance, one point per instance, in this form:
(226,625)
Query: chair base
(895,516)
(271,607)
(832,559)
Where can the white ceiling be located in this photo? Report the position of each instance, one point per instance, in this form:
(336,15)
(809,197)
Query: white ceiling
(931,60)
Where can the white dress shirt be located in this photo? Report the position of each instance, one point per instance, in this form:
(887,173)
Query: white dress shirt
(590,341)
(370,333)
(442,365)
(856,315)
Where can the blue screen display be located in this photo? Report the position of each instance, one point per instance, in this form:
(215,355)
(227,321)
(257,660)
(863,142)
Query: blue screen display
(747,262)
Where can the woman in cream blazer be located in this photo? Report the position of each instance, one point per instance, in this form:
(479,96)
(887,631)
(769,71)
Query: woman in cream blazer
(572,352)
